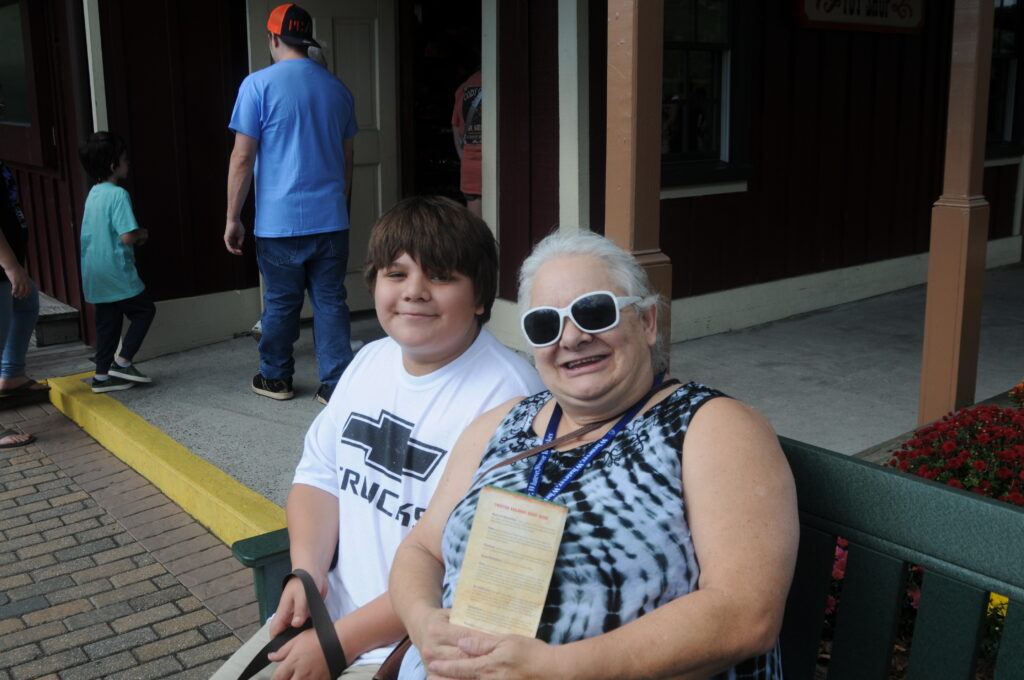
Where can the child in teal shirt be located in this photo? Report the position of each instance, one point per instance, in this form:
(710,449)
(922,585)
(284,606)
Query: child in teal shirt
(109,278)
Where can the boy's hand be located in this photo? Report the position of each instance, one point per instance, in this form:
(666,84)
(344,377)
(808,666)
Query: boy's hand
(234,235)
(142,235)
(293,610)
(301,657)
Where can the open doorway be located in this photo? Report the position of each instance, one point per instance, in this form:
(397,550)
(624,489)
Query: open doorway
(439,48)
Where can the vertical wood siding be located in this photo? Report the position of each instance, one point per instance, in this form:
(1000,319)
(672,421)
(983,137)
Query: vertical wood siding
(52,193)
(172,72)
(528,131)
(848,141)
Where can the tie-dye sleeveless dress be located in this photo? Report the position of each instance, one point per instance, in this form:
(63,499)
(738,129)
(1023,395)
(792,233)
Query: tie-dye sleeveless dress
(626,549)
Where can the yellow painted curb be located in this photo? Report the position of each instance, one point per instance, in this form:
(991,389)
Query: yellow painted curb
(231,510)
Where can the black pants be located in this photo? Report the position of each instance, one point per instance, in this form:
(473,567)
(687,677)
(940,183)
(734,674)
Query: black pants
(140,311)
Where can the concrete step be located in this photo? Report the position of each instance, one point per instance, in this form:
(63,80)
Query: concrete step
(57,323)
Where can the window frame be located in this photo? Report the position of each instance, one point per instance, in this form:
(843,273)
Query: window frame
(733,163)
(32,144)
(1012,146)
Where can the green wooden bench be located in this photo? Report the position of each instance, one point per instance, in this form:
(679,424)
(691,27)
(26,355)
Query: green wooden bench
(969,546)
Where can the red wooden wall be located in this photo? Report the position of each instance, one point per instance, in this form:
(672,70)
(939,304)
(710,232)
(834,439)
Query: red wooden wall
(848,136)
(52,189)
(847,133)
(172,71)
(528,137)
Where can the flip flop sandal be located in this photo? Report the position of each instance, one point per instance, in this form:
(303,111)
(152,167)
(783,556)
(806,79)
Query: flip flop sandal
(14,445)
(24,387)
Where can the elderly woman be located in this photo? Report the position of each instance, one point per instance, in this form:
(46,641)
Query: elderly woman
(681,532)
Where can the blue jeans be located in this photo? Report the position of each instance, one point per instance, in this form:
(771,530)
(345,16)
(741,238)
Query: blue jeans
(17,321)
(290,266)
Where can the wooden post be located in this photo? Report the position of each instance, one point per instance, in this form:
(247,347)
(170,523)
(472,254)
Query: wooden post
(956,261)
(633,169)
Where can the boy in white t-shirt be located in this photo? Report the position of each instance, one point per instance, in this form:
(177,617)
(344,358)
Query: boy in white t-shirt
(374,456)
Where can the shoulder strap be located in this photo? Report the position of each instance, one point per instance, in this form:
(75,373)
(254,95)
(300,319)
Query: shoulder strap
(558,441)
(389,669)
(319,620)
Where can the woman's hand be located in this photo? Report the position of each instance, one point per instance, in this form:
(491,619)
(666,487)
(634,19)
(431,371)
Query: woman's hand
(21,284)
(301,658)
(508,657)
(436,638)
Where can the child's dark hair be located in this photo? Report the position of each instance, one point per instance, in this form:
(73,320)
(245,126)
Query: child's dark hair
(100,153)
(443,237)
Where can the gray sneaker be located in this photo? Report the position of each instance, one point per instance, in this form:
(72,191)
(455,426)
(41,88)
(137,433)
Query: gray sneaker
(128,373)
(111,384)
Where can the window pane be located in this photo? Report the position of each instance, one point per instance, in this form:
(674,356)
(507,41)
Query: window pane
(712,21)
(679,22)
(691,104)
(1003,77)
(13,74)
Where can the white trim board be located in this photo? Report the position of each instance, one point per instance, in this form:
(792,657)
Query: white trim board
(504,325)
(94,53)
(737,308)
(730,310)
(187,323)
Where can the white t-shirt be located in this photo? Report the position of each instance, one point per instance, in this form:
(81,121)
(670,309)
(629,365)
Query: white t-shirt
(381,445)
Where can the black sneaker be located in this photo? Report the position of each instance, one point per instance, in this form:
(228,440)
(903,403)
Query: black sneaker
(111,384)
(323,395)
(129,373)
(275,388)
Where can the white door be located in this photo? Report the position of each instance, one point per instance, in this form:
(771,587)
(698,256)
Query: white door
(358,39)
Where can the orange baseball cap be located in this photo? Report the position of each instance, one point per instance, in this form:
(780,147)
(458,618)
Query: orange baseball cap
(293,24)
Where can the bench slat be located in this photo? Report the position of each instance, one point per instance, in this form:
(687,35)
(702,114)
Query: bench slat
(920,521)
(1011,647)
(948,629)
(805,608)
(868,615)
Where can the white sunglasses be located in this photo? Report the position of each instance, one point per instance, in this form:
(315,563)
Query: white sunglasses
(594,312)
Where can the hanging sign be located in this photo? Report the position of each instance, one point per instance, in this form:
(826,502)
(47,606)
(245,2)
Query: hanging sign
(899,16)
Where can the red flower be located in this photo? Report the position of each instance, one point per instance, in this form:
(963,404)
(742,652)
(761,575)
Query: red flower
(979,448)
(839,565)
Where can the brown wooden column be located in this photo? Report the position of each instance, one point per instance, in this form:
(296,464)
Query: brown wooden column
(633,169)
(956,262)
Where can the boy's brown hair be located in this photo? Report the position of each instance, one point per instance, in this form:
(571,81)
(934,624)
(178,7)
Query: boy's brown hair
(100,153)
(443,237)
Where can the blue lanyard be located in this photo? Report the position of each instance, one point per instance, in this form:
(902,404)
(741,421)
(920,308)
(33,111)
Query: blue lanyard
(574,471)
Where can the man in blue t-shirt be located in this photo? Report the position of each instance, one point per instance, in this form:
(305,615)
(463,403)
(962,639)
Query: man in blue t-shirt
(294,122)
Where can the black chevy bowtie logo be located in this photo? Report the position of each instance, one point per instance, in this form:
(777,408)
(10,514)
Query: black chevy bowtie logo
(389,447)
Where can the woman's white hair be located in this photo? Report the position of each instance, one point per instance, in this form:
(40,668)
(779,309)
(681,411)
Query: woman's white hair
(626,273)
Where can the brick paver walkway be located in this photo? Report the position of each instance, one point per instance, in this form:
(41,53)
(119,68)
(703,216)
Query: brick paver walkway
(101,575)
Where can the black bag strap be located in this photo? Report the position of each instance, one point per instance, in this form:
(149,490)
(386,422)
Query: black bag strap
(558,441)
(319,620)
(389,669)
